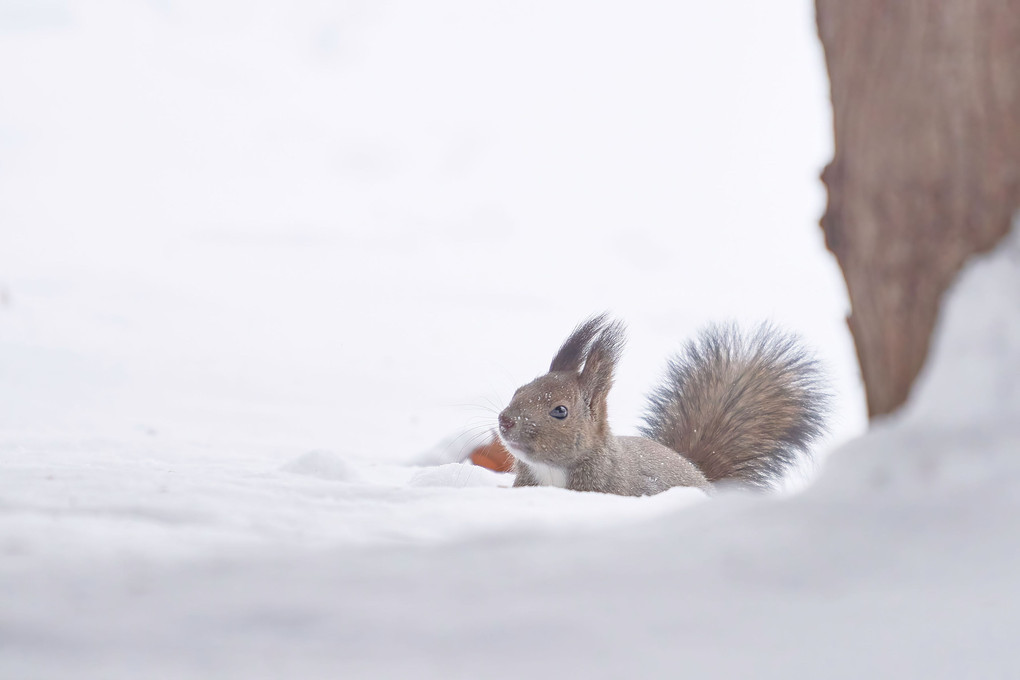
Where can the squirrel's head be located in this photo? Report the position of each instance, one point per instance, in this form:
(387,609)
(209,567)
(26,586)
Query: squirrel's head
(558,417)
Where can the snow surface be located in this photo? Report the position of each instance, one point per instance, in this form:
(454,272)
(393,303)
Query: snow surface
(267,270)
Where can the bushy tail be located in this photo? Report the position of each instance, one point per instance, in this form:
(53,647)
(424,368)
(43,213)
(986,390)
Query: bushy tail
(743,408)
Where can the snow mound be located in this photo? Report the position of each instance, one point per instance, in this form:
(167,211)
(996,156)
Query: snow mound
(972,373)
(900,561)
(459,475)
(324,465)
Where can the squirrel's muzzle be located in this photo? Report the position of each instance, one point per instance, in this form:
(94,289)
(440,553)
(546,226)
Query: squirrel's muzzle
(506,423)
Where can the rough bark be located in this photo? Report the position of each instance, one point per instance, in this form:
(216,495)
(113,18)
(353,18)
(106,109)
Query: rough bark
(926,172)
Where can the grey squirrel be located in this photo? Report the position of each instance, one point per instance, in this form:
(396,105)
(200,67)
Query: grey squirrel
(732,408)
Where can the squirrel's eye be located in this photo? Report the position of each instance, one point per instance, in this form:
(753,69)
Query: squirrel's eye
(559,412)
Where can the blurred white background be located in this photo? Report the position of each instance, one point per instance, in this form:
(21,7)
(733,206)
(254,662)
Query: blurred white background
(347,224)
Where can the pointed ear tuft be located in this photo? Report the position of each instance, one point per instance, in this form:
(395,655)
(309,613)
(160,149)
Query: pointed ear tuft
(597,375)
(574,350)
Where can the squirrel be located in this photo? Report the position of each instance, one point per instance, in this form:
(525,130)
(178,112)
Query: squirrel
(738,409)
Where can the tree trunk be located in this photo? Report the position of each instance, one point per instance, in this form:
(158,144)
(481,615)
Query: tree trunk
(926,106)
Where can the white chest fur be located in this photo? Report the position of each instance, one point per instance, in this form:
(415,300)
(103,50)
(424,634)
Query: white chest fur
(546,475)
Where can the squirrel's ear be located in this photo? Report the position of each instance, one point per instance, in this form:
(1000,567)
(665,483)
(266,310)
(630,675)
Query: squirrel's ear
(597,375)
(575,348)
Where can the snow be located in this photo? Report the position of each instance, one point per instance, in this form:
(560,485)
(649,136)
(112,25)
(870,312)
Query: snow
(267,272)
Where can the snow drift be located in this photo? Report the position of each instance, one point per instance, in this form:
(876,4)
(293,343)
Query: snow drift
(900,561)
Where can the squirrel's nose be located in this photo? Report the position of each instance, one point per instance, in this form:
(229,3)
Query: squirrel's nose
(506,423)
